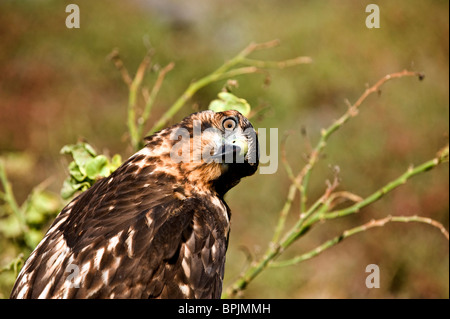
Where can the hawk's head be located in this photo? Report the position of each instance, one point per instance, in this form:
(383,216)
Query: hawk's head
(208,150)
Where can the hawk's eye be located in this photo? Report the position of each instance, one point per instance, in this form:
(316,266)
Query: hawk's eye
(229,124)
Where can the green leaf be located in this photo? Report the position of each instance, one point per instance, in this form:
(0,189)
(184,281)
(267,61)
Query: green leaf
(14,265)
(89,149)
(44,201)
(82,158)
(71,148)
(33,237)
(228,97)
(39,206)
(86,168)
(70,187)
(66,149)
(85,186)
(116,161)
(35,217)
(82,153)
(217,106)
(95,167)
(228,101)
(10,227)
(75,173)
(67,189)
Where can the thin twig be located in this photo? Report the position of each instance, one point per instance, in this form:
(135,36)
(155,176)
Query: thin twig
(338,197)
(412,171)
(115,57)
(350,232)
(284,213)
(226,71)
(318,211)
(132,98)
(352,111)
(300,228)
(192,89)
(278,64)
(150,99)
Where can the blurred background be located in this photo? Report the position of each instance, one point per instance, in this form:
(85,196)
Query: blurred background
(58,86)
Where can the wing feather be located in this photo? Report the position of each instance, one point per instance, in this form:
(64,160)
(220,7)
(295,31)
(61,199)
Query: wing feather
(139,243)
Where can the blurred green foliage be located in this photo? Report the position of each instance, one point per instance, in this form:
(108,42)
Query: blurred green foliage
(25,225)
(22,226)
(57,86)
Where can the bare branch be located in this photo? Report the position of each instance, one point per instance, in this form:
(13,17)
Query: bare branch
(320,209)
(118,63)
(303,176)
(224,72)
(350,232)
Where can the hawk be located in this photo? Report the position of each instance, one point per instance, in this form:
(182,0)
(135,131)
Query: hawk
(157,227)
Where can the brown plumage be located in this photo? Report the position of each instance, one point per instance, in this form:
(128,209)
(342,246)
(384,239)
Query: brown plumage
(155,228)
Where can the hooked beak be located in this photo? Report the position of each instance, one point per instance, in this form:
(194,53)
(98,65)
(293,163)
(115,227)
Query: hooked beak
(233,150)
